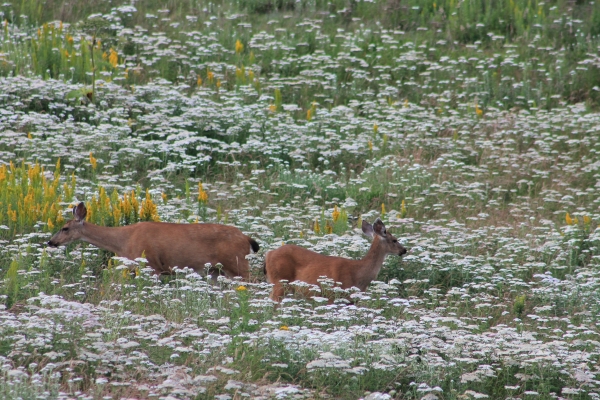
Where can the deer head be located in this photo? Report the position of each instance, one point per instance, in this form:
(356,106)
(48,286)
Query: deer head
(72,230)
(388,242)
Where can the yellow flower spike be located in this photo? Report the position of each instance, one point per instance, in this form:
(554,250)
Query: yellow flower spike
(50,224)
(370,144)
(328,228)
(375,128)
(316,227)
(478,110)
(241,288)
(308,114)
(382,209)
(218,84)
(239,47)
(272,108)
(406,103)
(284,328)
(113,58)
(202,195)
(335,214)
(93,161)
(403,210)
(251,75)
(587,220)
(199,81)
(163,195)
(210,75)
(29,136)
(568,219)
(148,210)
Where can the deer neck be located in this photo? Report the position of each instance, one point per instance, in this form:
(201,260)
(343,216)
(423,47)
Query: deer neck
(111,239)
(371,263)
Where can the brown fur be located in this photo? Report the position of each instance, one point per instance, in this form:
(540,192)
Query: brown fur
(294,263)
(167,245)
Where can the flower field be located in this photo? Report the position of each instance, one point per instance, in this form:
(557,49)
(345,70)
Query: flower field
(472,129)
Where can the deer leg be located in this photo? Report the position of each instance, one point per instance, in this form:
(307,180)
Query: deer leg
(278,292)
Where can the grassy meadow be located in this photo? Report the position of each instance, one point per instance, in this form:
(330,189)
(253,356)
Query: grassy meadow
(472,128)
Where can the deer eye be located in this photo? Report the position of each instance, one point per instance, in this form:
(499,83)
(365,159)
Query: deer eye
(395,241)
(64,229)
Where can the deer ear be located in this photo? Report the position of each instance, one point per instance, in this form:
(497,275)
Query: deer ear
(79,212)
(379,228)
(367,228)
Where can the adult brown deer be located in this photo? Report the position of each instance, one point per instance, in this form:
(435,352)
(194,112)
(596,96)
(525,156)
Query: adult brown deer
(166,245)
(294,263)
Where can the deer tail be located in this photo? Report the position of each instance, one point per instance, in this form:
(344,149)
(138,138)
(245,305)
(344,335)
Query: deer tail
(254,245)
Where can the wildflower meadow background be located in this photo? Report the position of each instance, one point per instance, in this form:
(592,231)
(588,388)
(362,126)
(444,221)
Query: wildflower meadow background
(472,128)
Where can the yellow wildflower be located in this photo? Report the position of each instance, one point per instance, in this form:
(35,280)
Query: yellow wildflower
(316,228)
(113,58)
(382,209)
(328,228)
(241,288)
(50,224)
(284,328)
(403,210)
(375,128)
(148,210)
(239,47)
(93,161)
(202,195)
(478,110)
(199,81)
(335,214)
(569,219)
(308,114)
(272,108)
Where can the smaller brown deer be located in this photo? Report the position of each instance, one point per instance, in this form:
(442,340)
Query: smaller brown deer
(166,245)
(294,263)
